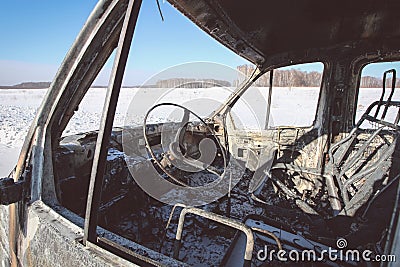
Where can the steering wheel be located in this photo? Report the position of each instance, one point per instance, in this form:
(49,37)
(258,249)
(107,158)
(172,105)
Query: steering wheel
(180,153)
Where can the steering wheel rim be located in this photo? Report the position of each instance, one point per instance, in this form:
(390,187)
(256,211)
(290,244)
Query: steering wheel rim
(153,156)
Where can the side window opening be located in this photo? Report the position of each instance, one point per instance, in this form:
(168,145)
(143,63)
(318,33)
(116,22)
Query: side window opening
(294,96)
(75,152)
(371,88)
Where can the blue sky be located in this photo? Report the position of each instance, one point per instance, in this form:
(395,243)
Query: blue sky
(36,35)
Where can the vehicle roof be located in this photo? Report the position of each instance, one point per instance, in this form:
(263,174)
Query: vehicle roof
(257,29)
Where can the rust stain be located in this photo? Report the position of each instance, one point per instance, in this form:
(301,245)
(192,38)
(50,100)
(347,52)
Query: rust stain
(13,235)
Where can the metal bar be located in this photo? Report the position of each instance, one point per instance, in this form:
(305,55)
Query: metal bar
(396,121)
(125,253)
(393,71)
(333,195)
(382,95)
(372,168)
(110,105)
(351,137)
(216,218)
(353,133)
(271,78)
(383,92)
(358,155)
(168,223)
(272,235)
(279,141)
(352,161)
(296,168)
(384,123)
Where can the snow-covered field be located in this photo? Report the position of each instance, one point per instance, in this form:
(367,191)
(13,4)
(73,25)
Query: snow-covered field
(17,110)
(18,107)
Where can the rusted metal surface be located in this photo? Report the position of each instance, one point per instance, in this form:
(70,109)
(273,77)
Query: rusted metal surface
(217,218)
(57,241)
(5,259)
(51,241)
(110,106)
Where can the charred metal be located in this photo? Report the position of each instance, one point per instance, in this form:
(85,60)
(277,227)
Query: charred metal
(301,188)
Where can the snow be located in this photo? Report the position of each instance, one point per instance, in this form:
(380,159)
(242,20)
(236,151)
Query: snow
(17,109)
(290,106)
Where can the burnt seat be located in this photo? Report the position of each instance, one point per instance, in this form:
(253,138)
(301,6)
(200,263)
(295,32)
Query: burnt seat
(358,165)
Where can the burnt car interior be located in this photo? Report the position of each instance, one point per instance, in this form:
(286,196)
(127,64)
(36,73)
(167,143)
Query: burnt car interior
(302,188)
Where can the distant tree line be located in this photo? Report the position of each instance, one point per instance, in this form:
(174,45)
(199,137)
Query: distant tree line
(374,82)
(191,83)
(285,78)
(282,78)
(28,85)
(298,78)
